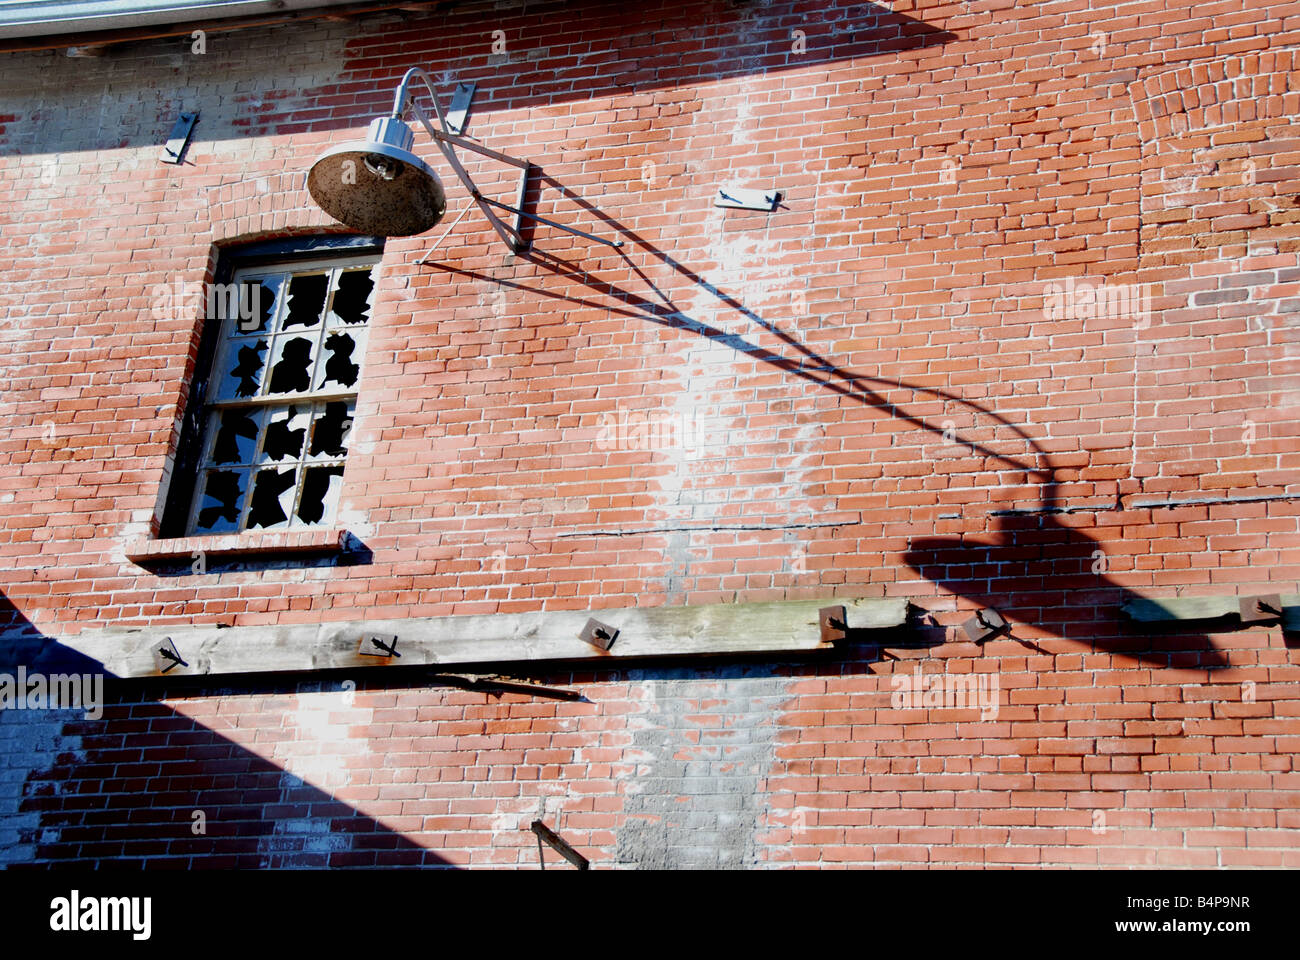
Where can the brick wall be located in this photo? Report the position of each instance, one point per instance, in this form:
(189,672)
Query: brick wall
(1022,334)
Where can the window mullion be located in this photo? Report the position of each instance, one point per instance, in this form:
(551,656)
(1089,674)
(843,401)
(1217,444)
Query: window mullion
(278,399)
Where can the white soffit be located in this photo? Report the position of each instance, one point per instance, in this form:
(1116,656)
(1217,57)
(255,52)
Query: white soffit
(43,18)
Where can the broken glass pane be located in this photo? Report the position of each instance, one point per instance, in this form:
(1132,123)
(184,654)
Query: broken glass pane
(222,500)
(331,428)
(320,493)
(291,370)
(306,300)
(286,433)
(236,437)
(271,499)
(261,297)
(352,298)
(342,359)
(243,365)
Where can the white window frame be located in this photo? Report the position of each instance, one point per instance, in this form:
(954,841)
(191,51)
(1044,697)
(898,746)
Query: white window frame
(215,405)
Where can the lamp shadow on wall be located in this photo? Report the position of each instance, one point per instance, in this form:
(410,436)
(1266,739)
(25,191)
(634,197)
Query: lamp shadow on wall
(122,790)
(1056,573)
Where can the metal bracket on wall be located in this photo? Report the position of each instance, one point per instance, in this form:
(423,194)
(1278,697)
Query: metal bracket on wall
(458,113)
(174,148)
(1265,609)
(984,625)
(833,623)
(557,843)
(378,647)
(598,634)
(166,657)
(742,198)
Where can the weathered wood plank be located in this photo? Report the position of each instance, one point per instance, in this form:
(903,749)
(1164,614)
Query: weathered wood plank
(1167,609)
(644,632)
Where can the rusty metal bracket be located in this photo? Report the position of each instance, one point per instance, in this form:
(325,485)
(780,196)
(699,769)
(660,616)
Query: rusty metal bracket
(557,843)
(1263,609)
(598,634)
(985,624)
(376,647)
(833,623)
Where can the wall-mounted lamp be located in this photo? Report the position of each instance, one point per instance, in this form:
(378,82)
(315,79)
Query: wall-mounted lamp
(380,187)
(377,185)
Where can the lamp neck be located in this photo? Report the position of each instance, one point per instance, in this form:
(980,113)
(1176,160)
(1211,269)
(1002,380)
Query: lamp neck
(402,98)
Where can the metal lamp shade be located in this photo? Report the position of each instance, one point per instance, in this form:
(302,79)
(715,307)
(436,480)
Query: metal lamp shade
(377,185)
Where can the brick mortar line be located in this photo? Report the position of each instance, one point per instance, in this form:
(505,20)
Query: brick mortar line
(710,528)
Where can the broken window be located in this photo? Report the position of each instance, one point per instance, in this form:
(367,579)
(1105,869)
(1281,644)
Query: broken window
(283,397)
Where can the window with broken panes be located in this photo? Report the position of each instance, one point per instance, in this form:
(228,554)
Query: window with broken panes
(282,397)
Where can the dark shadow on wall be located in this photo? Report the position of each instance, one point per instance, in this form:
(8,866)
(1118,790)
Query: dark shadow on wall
(1048,572)
(657,45)
(122,790)
(652,46)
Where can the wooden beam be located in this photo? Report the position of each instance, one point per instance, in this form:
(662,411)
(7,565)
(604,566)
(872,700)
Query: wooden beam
(1170,609)
(783,627)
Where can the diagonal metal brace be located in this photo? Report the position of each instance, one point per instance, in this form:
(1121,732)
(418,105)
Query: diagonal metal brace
(558,844)
(447,141)
(501,684)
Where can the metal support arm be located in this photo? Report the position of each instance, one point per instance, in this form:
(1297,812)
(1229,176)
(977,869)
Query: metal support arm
(446,141)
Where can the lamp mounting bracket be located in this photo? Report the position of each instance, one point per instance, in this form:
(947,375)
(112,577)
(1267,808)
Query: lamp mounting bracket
(447,141)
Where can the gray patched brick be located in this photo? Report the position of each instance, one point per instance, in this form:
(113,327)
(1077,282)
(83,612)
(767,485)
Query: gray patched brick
(1256,278)
(706,812)
(1209,298)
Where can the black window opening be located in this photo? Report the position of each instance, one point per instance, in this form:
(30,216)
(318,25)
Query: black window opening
(266,432)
